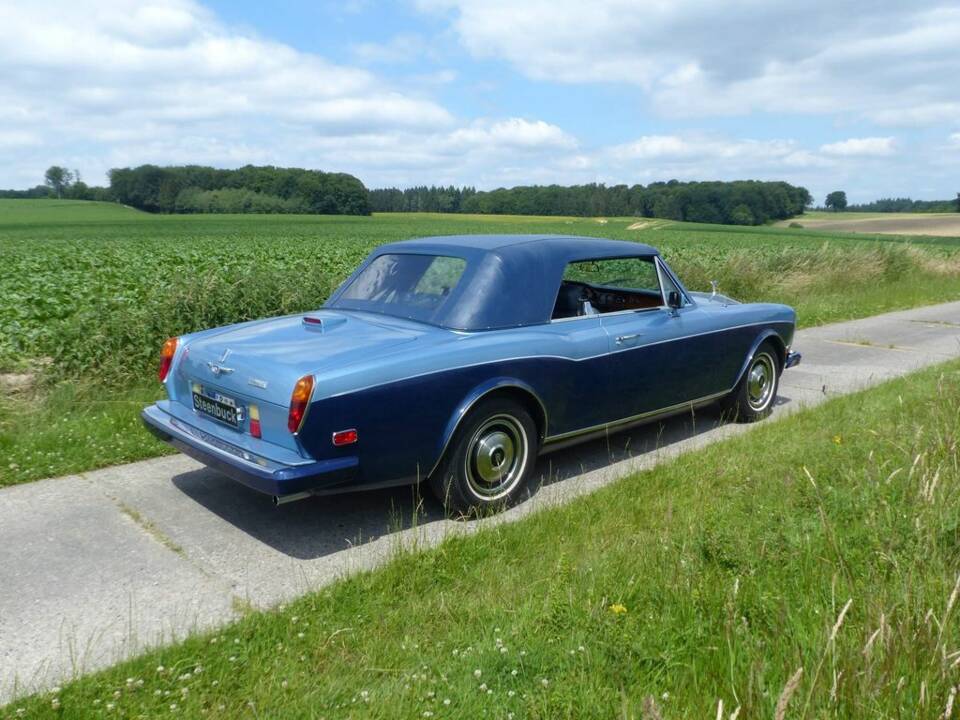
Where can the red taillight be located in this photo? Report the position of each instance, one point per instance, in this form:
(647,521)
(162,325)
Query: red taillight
(299,402)
(255,421)
(166,357)
(345,437)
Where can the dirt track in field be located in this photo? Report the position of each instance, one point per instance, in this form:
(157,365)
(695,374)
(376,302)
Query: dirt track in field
(946,225)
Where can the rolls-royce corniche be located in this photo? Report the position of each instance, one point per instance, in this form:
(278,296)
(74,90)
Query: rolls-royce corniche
(459,360)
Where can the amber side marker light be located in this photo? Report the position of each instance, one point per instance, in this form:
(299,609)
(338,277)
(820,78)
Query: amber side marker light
(299,402)
(167,352)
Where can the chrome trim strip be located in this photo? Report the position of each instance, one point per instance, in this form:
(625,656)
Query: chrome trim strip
(612,426)
(553,357)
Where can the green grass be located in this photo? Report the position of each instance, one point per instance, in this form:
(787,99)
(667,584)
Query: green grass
(89,291)
(711,578)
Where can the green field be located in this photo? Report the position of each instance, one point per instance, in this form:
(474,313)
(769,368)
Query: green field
(89,291)
(826,542)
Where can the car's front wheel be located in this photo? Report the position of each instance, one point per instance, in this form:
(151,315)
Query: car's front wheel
(754,395)
(489,461)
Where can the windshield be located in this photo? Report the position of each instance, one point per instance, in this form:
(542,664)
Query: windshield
(410,286)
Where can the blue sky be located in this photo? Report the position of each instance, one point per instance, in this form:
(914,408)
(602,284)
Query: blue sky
(861,96)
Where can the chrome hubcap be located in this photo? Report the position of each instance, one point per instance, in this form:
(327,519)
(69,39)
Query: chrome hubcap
(761,381)
(496,457)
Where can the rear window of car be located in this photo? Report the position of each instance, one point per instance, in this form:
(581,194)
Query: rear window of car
(412,286)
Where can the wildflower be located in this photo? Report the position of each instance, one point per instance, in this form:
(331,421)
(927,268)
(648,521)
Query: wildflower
(157,692)
(581,648)
(618,609)
(446,701)
(232,658)
(116,693)
(284,684)
(838,439)
(502,649)
(483,686)
(160,668)
(300,635)
(477,673)
(215,683)
(427,713)
(514,672)
(173,707)
(544,682)
(511,693)
(110,706)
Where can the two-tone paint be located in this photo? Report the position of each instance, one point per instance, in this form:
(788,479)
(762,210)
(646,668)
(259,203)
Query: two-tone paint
(405,385)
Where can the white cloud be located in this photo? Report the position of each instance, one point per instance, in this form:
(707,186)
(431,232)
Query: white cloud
(134,76)
(868,146)
(733,58)
(514,133)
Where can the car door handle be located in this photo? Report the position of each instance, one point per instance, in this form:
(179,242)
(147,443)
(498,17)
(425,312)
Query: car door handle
(621,339)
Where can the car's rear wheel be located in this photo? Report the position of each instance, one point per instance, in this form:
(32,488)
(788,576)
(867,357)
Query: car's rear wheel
(754,395)
(489,460)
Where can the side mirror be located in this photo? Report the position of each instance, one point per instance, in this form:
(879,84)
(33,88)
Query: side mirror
(674,300)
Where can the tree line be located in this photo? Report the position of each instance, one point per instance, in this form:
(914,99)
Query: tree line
(892,205)
(249,189)
(742,202)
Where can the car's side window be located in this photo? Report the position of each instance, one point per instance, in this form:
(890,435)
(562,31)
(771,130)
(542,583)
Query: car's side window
(608,285)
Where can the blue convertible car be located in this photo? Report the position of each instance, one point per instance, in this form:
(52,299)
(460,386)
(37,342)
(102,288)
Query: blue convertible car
(458,360)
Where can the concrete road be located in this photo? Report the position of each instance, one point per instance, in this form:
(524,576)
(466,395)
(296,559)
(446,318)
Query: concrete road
(98,566)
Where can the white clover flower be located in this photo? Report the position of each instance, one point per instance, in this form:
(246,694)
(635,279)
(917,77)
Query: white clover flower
(55,703)
(446,701)
(116,693)
(665,696)
(522,653)
(483,686)
(284,684)
(544,682)
(511,693)
(477,673)
(502,650)
(232,658)
(173,707)
(157,692)
(160,668)
(582,648)
(110,706)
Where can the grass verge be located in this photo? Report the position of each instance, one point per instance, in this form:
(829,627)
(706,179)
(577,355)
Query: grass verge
(71,428)
(809,566)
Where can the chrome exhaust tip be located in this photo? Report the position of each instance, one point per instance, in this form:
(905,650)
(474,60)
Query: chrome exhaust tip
(279,500)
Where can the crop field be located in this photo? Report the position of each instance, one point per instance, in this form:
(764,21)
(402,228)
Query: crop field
(938,224)
(89,291)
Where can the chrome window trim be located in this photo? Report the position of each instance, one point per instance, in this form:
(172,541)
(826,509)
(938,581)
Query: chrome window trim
(656,265)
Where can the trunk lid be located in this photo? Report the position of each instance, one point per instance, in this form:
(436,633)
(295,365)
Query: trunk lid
(263,360)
